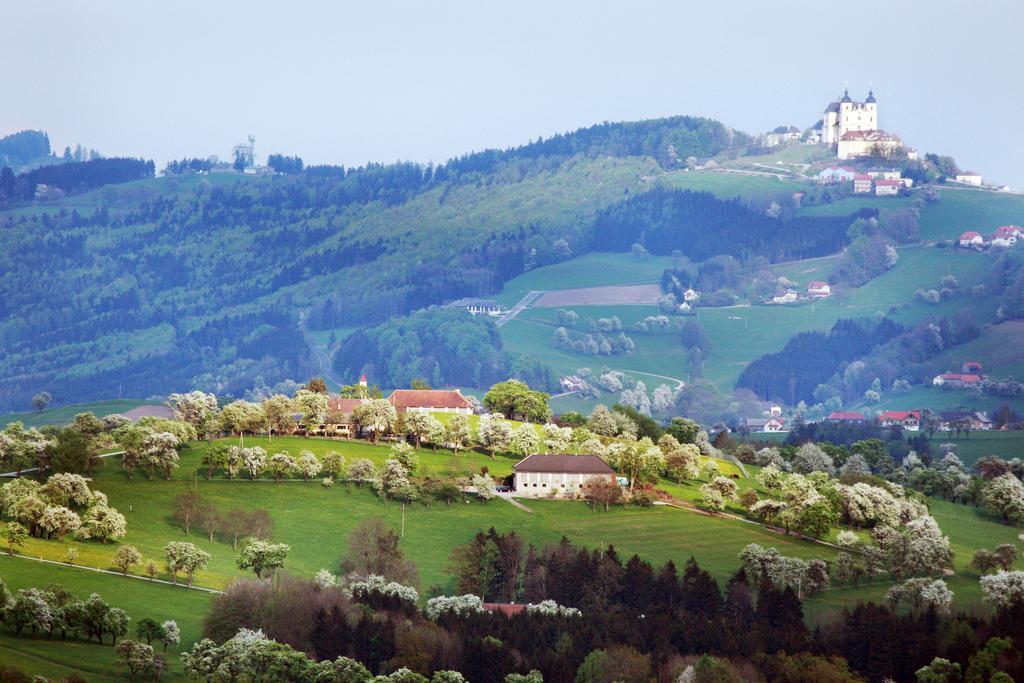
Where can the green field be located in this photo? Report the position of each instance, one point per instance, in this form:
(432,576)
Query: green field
(66,414)
(141,599)
(590,270)
(741,334)
(998,348)
(315,521)
(959,209)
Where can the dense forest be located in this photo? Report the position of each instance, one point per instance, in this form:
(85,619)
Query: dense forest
(21,148)
(811,358)
(441,346)
(73,177)
(701,226)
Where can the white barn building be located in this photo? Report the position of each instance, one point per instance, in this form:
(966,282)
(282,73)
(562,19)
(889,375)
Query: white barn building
(544,476)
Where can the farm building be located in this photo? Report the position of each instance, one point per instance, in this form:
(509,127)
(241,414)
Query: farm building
(887,188)
(910,420)
(956,380)
(430,401)
(862,184)
(845,416)
(765,424)
(963,419)
(969,177)
(544,476)
(339,416)
(1006,235)
(836,174)
(478,306)
(971,238)
(819,290)
(971,366)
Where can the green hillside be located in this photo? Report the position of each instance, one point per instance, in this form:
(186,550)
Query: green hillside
(315,522)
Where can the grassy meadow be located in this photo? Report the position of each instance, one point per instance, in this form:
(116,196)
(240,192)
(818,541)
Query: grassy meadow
(316,521)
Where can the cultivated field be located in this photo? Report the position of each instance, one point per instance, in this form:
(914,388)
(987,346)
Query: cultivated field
(609,295)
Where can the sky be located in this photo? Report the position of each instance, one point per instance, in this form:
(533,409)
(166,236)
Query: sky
(346,82)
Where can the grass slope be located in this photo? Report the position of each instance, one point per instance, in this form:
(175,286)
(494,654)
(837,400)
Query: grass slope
(65,414)
(315,521)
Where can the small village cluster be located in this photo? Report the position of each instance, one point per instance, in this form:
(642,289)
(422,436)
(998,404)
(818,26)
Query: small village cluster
(1004,236)
(815,290)
(907,420)
(880,182)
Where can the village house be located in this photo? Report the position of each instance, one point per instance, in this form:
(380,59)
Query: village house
(860,143)
(775,410)
(887,188)
(1006,235)
(909,420)
(790,296)
(478,306)
(765,424)
(845,416)
(544,476)
(690,295)
(964,419)
(884,174)
(956,380)
(836,174)
(971,366)
(340,421)
(969,178)
(819,290)
(862,184)
(971,239)
(430,401)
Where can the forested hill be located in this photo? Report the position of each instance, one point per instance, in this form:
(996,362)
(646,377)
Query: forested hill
(161,284)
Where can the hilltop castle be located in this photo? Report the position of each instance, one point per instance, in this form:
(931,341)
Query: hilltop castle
(853,128)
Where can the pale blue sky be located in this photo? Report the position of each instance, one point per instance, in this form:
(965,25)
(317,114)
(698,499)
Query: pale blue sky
(379,81)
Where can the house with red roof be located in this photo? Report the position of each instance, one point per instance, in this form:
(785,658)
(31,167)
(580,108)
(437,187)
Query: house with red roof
(1007,235)
(819,290)
(430,401)
(971,238)
(910,420)
(509,609)
(971,366)
(837,174)
(887,188)
(862,184)
(845,416)
(956,380)
(765,424)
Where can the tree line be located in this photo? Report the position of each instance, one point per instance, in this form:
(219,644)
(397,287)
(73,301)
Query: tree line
(699,225)
(74,177)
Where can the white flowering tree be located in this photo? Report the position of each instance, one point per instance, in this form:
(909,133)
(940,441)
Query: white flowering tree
(197,408)
(556,439)
(376,415)
(484,486)
(1003,589)
(457,432)
(495,434)
(458,605)
(280,465)
(810,457)
(313,407)
(525,440)
(1004,496)
(254,460)
(308,465)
